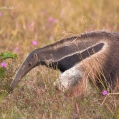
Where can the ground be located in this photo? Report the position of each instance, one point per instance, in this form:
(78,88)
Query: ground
(26,25)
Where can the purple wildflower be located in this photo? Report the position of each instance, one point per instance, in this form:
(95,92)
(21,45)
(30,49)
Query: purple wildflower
(76,92)
(52,20)
(0,14)
(16,49)
(104,92)
(34,43)
(30,26)
(3,64)
(107,30)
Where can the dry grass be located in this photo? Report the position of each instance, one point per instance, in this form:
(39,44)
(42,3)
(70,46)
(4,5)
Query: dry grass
(35,97)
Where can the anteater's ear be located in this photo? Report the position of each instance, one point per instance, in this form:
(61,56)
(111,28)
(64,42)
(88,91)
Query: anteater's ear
(36,56)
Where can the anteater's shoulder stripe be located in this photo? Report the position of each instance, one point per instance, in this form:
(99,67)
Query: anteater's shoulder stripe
(77,39)
(69,47)
(70,60)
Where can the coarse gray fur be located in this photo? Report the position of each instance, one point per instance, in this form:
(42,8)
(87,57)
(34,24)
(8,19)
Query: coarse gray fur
(93,56)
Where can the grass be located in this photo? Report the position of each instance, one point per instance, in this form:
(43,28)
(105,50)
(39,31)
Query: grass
(47,22)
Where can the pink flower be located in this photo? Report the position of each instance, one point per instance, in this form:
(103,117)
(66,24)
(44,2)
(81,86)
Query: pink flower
(104,92)
(30,26)
(76,92)
(16,49)
(34,43)
(3,64)
(52,20)
(0,14)
(107,30)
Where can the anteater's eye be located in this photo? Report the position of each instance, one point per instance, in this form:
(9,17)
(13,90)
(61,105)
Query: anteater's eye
(30,63)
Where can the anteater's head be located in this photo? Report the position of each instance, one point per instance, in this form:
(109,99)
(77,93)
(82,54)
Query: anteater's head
(30,62)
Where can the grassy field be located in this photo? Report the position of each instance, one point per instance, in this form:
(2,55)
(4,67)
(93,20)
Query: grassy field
(31,24)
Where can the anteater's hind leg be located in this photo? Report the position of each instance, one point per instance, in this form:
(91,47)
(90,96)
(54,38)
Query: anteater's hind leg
(115,82)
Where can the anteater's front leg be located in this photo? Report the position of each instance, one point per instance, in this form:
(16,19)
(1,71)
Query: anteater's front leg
(72,81)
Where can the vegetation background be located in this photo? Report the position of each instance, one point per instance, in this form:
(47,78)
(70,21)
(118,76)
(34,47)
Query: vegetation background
(31,24)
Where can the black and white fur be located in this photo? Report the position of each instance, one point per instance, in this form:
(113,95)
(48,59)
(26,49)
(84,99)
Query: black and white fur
(89,57)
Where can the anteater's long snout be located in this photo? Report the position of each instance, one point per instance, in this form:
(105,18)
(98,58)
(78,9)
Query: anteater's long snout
(30,62)
(16,79)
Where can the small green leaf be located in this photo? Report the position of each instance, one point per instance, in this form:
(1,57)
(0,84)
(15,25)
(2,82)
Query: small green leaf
(2,72)
(7,55)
